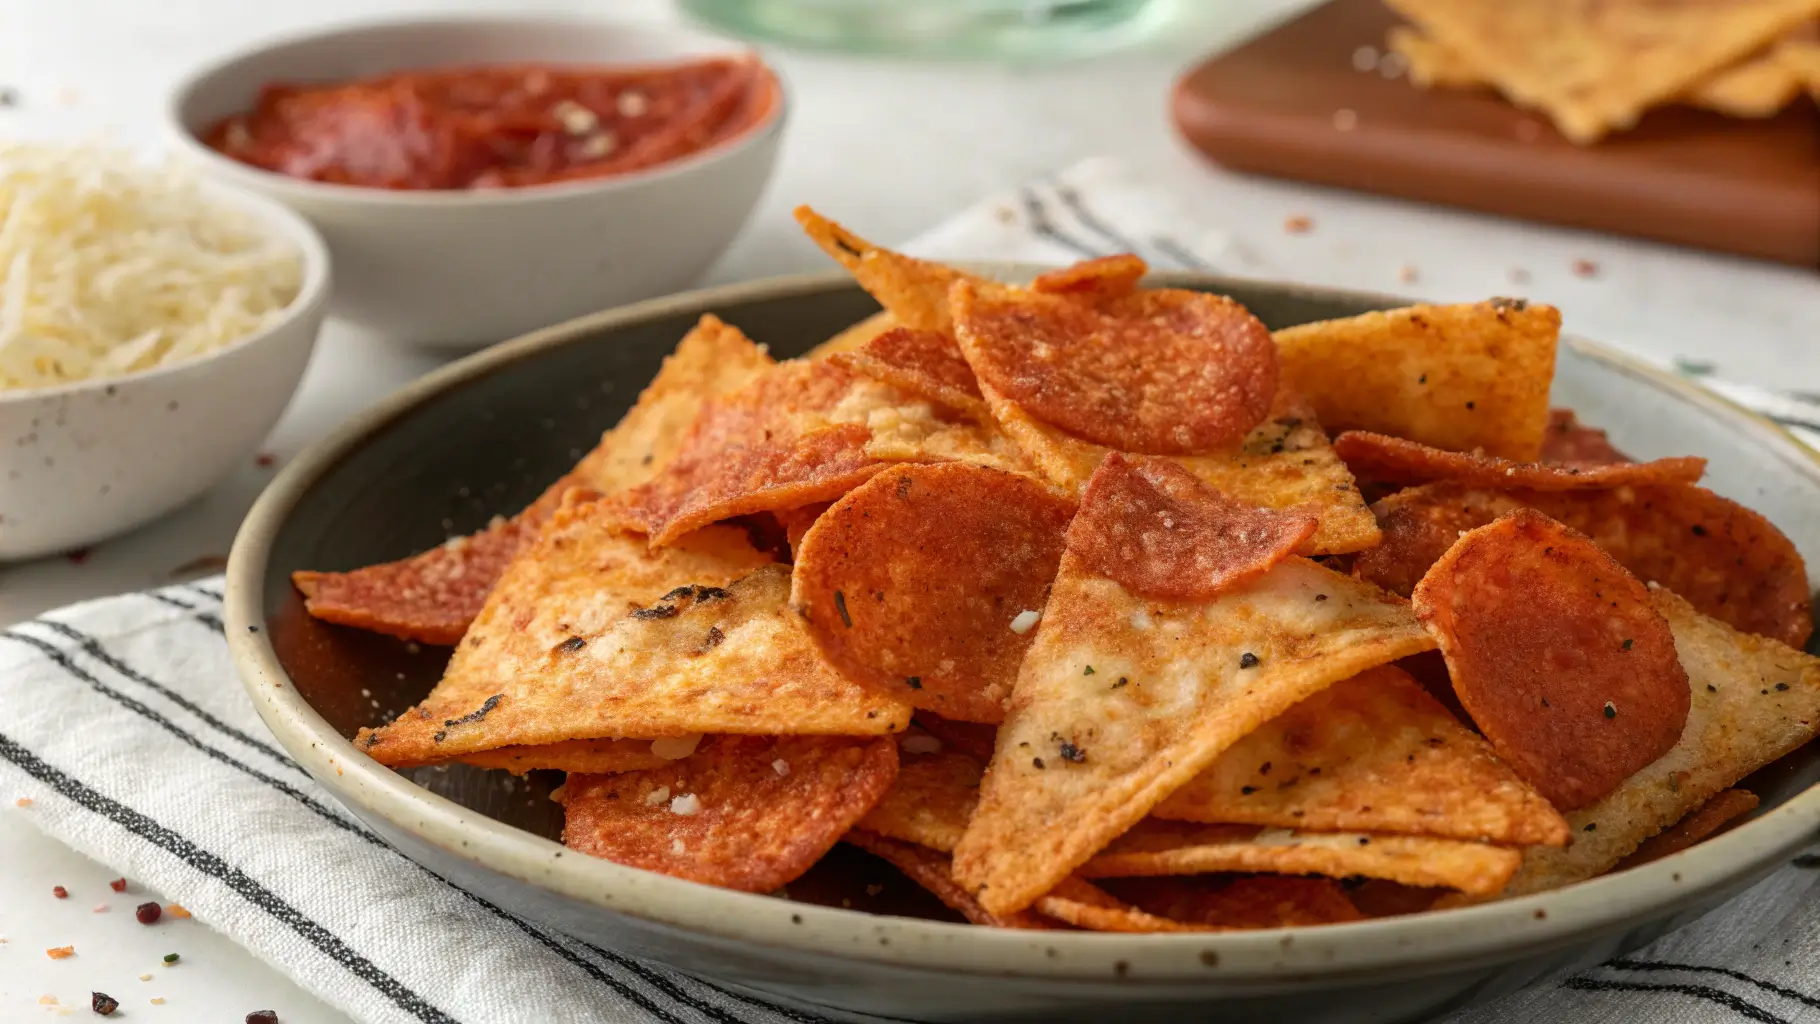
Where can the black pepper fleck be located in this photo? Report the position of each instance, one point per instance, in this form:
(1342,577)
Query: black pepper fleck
(1628,643)
(571,645)
(1591,826)
(713,639)
(1037,761)
(1611,710)
(1247,790)
(485,709)
(1781,686)
(1122,681)
(1320,597)
(914,682)
(840,605)
(1248,660)
(657,611)
(1071,753)
(1699,531)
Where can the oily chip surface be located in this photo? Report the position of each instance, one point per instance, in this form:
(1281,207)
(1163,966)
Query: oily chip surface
(743,812)
(1558,655)
(1160,532)
(926,364)
(1161,372)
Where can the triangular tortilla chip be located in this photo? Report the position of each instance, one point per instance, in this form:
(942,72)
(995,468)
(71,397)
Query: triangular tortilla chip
(1121,701)
(593,757)
(1374,753)
(1285,462)
(1754,700)
(591,635)
(1723,812)
(1595,67)
(1158,847)
(931,801)
(1088,906)
(903,428)
(913,291)
(743,812)
(854,337)
(1464,377)
(934,872)
(432,597)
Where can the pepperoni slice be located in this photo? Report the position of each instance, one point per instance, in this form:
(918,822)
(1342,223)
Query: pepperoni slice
(1569,441)
(1381,458)
(1096,280)
(927,364)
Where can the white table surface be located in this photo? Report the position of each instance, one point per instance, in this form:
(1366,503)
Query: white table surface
(891,148)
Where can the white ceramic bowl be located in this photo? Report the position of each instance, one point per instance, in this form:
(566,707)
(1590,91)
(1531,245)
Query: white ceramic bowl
(82,462)
(463,269)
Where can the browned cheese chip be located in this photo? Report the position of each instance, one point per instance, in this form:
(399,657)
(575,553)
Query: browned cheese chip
(1284,463)
(933,872)
(1728,561)
(1724,811)
(1122,700)
(1374,753)
(1247,901)
(931,801)
(593,757)
(914,292)
(1164,372)
(593,636)
(1084,905)
(853,337)
(914,582)
(1754,701)
(1095,281)
(1570,442)
(1382,459)
(1558,655)
(1156,847)
(925,364)
(1463,378)
(434,596)
(743,812)
(1158,531)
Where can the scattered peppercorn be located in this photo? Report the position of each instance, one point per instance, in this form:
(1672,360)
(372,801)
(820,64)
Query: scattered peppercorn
(262,1017)
(148,913)
(171,958)
(1611,710)
(1072,753)
(1247,790)
(1122,681)
(1320,597)
(118,885)
(1699,531)
(1628,643)
(1248,660)
(60,892)
(103,1004)
(571,645)
(1781,686)
(914,682)
(1591,826)
(1037,761)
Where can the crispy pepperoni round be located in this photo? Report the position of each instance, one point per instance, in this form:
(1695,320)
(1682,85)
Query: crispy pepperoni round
(1096,280)
(1161,372)
(1158,531)
(1567,440)
(1558,655)
(1381,458)
(926,364)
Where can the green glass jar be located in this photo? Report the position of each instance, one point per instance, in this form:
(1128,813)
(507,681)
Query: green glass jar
(1002,29)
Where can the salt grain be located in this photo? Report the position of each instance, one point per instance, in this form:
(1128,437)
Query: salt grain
(781,766)
(1025,621)
(675,748)
(632,103)
(677,847)
(657,796)
(686,804)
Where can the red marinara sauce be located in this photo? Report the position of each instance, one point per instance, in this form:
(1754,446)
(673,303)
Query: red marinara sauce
(497,126)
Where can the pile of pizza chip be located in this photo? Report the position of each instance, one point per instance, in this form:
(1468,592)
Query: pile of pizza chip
(1067,600)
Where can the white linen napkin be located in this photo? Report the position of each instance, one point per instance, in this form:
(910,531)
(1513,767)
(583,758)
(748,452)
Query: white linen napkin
(125,725)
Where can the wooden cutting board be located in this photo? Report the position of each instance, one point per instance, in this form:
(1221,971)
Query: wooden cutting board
(1291,104)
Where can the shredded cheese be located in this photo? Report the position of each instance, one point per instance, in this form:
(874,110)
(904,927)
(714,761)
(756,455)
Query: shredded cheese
(108,267)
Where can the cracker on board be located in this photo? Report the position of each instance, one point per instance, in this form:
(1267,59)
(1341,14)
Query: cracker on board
(1726,810)
(1285,462)
(559,654)
(1569,440)
(913,291)
(1725,559)
(854,337)
(931,800)
(925,364)
(1595,68)
(1122,700)
(1158,531)
(1754,701)
(1557,653)
(913,583)
(932,871)
(1247,901)
(728,815)
(434,596)
(1374,753)
(1161,371)
(1380,458)
(1157,847)
(1098,280)
(1460,377)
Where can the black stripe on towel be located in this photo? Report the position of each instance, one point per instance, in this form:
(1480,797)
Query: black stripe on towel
(1749,1011)
(1727,972)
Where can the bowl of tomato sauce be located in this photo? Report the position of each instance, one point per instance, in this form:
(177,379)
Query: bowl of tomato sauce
(479,177)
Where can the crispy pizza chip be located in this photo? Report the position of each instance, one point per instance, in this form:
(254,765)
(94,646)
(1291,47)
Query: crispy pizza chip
(913,291)
(915,582)
(1162,372)
(1574,443)
(592,635)
(1158,531)
(1284,463)
(926,364)
(931,801)
(1724,811)
(933,872)
(1754,701)
(1725,559)
(593,757)
(1244,901)
(1097,280)
(1377,897)
(1157,847)
(434,596)
(854,337)
(1463,377)
(1374,753)
(1088,906)
(796,523)
(971,738)
(1595,68)
(743,812)
(1557,653)
(1383,459)
(1122,700)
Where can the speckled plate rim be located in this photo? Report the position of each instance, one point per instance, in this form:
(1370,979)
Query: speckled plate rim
(1414,945)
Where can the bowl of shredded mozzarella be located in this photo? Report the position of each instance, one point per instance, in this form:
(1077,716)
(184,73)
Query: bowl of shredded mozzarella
(153,327)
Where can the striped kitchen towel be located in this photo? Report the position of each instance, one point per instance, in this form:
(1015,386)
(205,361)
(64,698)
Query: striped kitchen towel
(124,724)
